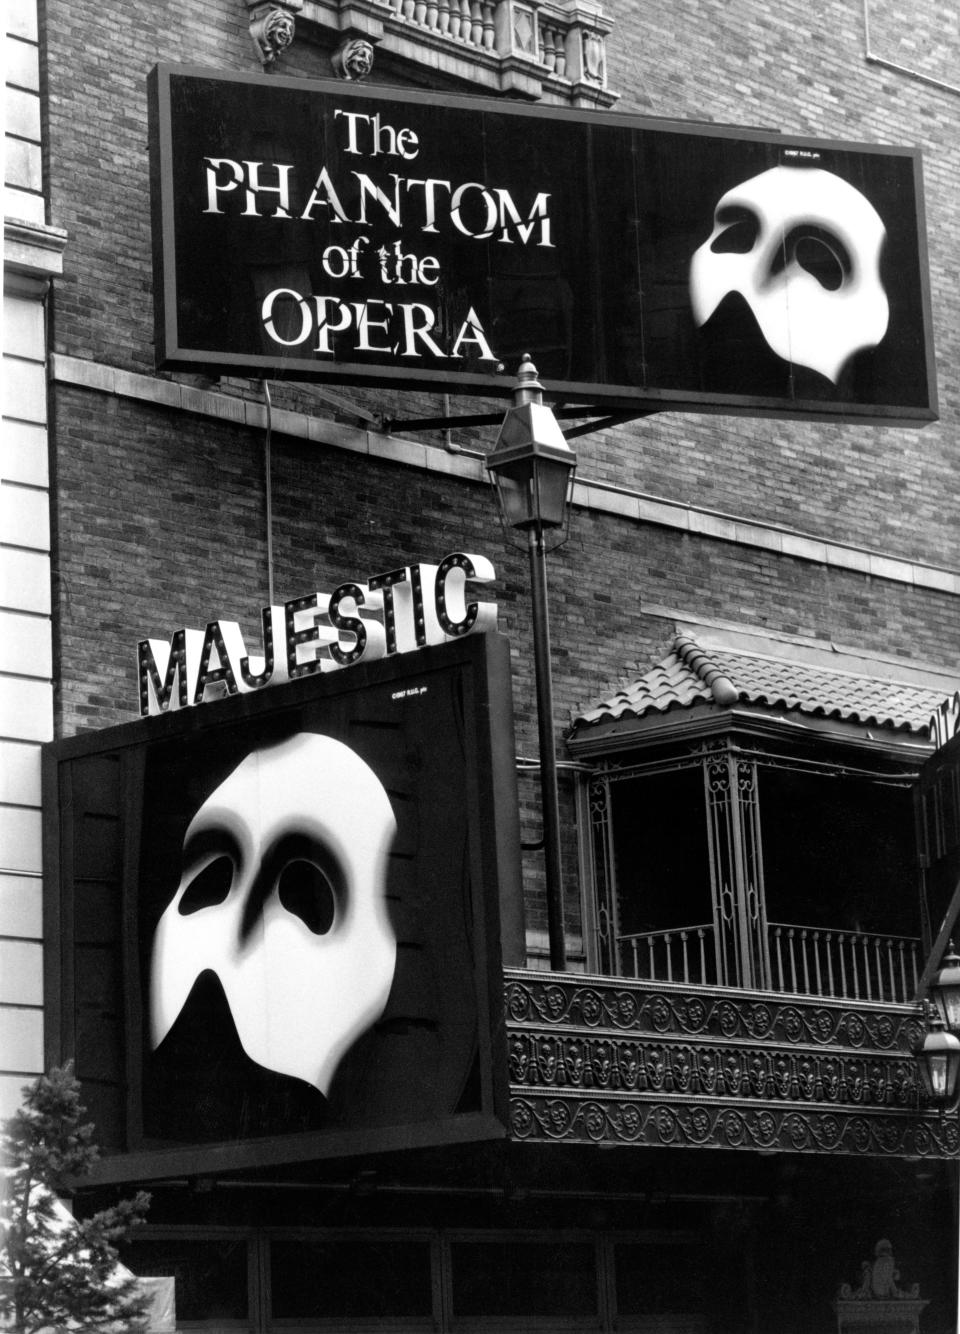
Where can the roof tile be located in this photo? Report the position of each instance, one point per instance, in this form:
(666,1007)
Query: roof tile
(690,676)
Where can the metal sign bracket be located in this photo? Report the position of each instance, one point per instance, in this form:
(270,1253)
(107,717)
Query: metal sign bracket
(599,420)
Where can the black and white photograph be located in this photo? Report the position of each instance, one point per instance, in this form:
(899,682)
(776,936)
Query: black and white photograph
(480,667)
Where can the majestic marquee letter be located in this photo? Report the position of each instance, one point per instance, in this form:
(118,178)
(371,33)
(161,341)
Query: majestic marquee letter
(177,661)
(469,617)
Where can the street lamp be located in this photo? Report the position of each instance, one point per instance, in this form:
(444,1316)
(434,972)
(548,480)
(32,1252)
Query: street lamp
(531,467)
(944,990)
(939,1058)
(939,1053)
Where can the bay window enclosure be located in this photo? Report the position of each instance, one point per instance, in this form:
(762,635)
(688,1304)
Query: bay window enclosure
(734,860)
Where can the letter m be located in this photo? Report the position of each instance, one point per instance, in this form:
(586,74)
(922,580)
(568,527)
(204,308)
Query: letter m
(510,219)
(161,665)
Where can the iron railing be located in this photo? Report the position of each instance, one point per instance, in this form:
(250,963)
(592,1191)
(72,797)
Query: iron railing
(854,965)
(685,954)
(805,960)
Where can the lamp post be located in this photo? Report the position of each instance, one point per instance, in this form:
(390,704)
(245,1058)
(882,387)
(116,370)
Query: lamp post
(532,468)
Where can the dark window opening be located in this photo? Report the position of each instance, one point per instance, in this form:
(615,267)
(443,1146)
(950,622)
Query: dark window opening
(662,858)
(839,852)
(664,910)
(211,1276)
(523,1278)
(661,1279)
(329,1279)
(447,1281)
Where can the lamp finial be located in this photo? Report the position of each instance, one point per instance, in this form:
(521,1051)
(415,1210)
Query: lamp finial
(528,388)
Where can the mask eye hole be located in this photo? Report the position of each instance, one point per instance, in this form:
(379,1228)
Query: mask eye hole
(820,254)
(305,891)
(208,887)
(741,230)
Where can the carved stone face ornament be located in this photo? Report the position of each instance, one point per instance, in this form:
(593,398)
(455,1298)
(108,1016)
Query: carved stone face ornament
(283,897)
(802,247)
(353,59)
(272,26)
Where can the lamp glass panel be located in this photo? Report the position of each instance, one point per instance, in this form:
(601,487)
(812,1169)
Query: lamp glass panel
(951,1007)
(553,484)
(945,990)
(939,1067)
(515,496)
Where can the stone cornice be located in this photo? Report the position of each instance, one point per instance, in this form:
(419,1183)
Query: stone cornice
(32,255)
(544,50)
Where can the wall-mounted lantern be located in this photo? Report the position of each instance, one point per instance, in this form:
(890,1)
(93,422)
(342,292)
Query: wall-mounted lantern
(939,1054)
(939,1058)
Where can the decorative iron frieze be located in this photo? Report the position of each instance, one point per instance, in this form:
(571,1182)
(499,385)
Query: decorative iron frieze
(622,1121)
(657,1008)
(592,1060)
(767,1074)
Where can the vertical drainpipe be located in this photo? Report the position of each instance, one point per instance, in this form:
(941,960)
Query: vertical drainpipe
(268,489)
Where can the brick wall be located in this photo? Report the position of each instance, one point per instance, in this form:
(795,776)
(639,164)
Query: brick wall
(162,523)
(160,514)
(804,72)
(802,69)
(890,490)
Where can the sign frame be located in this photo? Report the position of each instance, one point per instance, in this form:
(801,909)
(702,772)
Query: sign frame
(480,668)
(175,353)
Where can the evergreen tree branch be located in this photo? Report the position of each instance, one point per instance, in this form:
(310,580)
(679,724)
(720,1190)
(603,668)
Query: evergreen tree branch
(55,1271)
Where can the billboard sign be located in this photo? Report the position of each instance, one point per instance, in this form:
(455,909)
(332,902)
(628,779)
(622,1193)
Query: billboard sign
(380,236)
(275,923)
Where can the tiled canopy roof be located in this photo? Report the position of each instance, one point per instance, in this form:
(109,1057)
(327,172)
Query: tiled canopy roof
(690,676)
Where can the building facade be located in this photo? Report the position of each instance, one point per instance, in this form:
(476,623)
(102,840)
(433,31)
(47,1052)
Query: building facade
(711,1119)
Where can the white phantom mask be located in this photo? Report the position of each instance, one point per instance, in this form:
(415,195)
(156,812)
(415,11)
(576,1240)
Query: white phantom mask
(283,897)
(776,214)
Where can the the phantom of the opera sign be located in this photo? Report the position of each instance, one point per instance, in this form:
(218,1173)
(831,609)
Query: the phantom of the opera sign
(276,927)
(381,236)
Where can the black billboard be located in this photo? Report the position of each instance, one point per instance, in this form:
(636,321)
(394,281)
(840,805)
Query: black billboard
(316,230)
(274,923)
